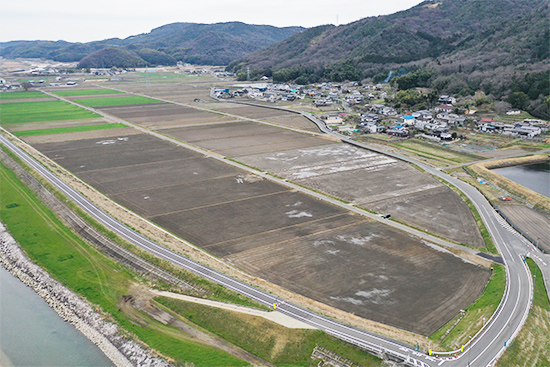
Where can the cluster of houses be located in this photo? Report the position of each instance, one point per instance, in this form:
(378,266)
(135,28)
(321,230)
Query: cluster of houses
(526,128)
(379,118)
(323,94)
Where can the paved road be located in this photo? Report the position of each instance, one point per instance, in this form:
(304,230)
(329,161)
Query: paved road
(483,349)
(369,341)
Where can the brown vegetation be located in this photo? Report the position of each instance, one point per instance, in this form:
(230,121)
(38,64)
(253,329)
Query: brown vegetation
(483,169)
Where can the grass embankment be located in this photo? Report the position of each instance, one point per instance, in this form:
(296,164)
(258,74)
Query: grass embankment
(21,95)
(68,129)
(274,343)
(532,345)
(437,152)
(84,92)
(89,273)
(504,142)
(116,101)
(483,170)
(21,112)
(472,321)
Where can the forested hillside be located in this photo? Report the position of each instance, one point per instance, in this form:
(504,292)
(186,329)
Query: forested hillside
(212,44)
(462,45)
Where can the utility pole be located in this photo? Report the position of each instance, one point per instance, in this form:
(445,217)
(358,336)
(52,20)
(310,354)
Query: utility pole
(248,73)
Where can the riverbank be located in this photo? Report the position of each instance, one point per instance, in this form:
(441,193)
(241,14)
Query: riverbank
(483,170)
(120,350)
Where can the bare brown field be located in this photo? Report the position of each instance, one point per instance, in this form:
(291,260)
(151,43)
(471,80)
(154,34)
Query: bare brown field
(533,222)
(243,138)
(215,191)
(274,147)
(499,153)
(293,121)
(249,111)
(180,92)
(96,134)
(284,237)
(354,268)
(376,182)
(55,124)
(92,96)
(165,115)
(223,131)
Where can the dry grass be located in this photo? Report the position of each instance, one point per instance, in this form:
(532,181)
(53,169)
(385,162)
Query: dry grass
(484,170)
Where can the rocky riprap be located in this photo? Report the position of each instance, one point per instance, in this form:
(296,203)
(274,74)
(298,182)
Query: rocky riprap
(119,349)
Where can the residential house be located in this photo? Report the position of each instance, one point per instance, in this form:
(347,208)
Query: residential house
(444,108)
(408,120)
(399,131)
(526,129)
(445,99)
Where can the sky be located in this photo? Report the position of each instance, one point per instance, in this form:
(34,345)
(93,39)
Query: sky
(76,21)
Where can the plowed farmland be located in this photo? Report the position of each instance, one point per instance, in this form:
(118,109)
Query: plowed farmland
(285,237)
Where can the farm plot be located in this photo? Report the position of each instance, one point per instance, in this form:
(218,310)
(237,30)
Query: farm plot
(370,270)
(243,138)
(249,111)
(22,95)
(376,182)
(293,121)
(277,234)
(165,115)
(23,112)
(84,92)
(535,223)
(116,101)
(181,92)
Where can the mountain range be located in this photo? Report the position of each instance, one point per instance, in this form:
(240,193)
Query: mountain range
(510,31)
(211,44)
(500,47)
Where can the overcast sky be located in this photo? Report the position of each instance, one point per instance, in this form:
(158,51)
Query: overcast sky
(84,21)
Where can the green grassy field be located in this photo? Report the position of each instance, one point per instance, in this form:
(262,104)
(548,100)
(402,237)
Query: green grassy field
(84,92)
(272,342)
(68,129)
(116,101)
(472,322)
(22,112)
(532,345)
(18,95)
(89,273)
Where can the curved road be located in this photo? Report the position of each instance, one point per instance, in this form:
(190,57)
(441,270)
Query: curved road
(483,349)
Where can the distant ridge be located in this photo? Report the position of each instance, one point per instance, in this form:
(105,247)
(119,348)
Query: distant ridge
(210,44)
(499,47)
(516,31)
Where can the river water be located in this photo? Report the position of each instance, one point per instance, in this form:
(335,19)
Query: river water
(533,176)
(33,334)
